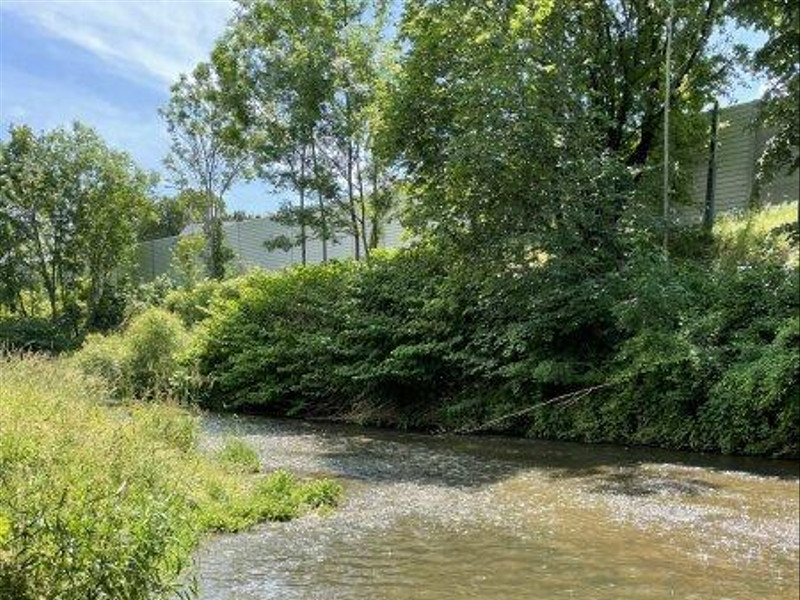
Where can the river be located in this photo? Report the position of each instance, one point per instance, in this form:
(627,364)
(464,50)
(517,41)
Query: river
(489,518)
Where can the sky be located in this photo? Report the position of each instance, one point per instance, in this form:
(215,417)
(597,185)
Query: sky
(109,64)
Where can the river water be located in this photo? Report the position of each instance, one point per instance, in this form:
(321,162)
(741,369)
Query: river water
(486,518)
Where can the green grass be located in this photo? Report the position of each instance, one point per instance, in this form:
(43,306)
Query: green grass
(737,236)
(761,221)
(109,501)
(240,455)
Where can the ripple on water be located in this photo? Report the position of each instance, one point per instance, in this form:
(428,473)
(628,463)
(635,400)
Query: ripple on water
(485,519)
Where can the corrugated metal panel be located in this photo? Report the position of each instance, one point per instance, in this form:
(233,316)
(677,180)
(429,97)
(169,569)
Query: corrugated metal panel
(739,145)
(247,239)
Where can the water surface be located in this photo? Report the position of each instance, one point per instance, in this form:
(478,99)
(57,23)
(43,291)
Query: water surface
(483,518)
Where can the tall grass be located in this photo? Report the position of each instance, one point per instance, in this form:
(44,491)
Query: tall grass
(763,231)
(101,501)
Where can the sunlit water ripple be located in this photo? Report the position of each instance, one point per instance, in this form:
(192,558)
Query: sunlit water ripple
(446,518)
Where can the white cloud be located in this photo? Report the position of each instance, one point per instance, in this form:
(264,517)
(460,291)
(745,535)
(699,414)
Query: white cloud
(151,40)
(46,104)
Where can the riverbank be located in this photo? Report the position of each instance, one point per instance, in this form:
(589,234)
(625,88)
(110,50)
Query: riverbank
(101,499)
(697,352)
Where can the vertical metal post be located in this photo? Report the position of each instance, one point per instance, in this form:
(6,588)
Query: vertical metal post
(667,94)
(711,176)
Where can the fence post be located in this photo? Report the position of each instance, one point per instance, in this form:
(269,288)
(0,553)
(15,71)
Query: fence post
(711,176)
(152,259)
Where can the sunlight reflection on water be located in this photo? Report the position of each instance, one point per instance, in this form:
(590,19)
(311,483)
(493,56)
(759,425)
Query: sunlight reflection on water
(444,518)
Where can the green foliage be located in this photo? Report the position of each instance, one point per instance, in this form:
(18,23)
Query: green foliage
(148,295)
(303,83)
(107,357)
(274,343)
(778,61)
(207,156)
(154,340)
(99,502)
(38,334)
(143,360)
(768,233)
(537,125)
(420,338)
(193,305)
(240,456)
(217,254)
(186,260)
(172,214)
(169,424)
(72,208)
(279,496)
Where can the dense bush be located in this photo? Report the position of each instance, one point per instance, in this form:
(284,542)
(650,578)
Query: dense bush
(690,353)
(99,502)
(39,334)
(142,361)
(192,304)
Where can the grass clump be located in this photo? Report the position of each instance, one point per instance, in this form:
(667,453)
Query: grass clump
(102,501)
(240,455)
(772,230)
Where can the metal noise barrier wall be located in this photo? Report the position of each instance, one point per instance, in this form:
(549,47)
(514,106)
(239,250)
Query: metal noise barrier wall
(246,239)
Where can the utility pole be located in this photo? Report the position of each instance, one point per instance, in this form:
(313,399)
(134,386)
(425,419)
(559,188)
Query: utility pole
(667,94)
(711,176)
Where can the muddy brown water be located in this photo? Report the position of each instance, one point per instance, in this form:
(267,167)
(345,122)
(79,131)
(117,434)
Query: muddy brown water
(487,518)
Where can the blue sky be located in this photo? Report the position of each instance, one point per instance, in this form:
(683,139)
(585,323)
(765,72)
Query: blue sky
(109,63)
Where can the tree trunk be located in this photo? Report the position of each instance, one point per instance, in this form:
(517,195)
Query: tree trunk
(49,284)
(363,208)
(323,217)
(303,237)
(374,235)
(351,202)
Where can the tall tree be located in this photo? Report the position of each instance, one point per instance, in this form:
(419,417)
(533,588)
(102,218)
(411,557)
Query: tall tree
(536,120)
(206,152)
(301,76)
(778,59)
(72,207)
(273,61)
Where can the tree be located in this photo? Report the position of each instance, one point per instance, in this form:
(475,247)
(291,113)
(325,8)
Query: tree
(172,214)
(71,209)
(187,260)
(779,60)
(301,78)
(206,154)
(534,123)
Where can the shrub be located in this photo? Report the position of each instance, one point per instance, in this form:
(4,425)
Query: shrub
(154,339)
(420,339)
(275,344)
(754,407)
(143,360)
(148,295)
(193,304)
(107,357)
(38,334)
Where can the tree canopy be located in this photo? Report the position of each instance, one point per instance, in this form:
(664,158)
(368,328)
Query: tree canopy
(72,208)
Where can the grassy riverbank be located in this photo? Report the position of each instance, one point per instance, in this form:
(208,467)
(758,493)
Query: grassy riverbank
(102,500)
(698,352)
